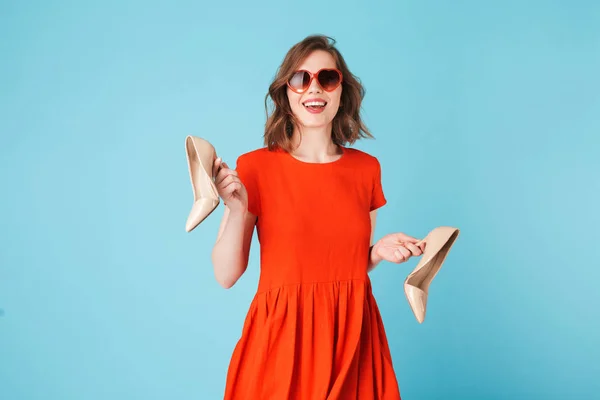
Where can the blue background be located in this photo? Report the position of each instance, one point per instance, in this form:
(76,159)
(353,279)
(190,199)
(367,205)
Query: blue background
(486,117)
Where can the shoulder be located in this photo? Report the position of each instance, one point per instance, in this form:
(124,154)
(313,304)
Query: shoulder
(362,158)
(253,157)
(253,154)
(254,162)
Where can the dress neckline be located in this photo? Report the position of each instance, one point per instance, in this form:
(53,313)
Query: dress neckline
(336,161)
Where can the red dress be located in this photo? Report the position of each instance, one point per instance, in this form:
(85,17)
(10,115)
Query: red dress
(313,330)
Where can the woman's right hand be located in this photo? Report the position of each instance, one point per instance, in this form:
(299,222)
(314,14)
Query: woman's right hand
(230,187)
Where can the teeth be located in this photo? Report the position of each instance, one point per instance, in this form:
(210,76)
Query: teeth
(314,104)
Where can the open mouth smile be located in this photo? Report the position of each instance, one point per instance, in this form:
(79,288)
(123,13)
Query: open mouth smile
(314,106)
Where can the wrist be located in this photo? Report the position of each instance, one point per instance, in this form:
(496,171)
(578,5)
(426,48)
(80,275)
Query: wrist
(237,211)
(374,258)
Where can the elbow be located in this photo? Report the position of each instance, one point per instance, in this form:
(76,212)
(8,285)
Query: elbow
(226,275)
(225,282)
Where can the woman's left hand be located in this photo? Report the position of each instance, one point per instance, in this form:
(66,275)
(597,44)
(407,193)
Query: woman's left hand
(396,248)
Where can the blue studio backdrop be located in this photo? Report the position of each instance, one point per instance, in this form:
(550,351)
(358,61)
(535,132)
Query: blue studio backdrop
(486,117)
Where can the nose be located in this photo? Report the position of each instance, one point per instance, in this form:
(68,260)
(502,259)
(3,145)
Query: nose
(314,86)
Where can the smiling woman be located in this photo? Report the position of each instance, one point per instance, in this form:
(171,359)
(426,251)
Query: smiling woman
(314,62)
(313,330)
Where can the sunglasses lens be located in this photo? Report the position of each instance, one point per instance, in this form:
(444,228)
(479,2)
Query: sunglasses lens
(300,81)
(329,79)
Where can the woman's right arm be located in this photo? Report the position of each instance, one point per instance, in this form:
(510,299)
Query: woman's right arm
(232,248)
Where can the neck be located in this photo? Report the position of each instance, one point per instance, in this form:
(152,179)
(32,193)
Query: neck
(314,144)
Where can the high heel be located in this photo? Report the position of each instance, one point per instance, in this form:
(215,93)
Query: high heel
(416,286)
(201,156)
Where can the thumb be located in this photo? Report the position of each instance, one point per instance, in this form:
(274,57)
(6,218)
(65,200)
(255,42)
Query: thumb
(216,167)
(402,237)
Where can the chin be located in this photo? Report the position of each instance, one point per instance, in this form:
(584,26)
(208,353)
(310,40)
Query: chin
(314,124)
(320,121)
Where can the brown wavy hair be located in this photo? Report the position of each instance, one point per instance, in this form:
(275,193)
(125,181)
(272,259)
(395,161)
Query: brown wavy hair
(347,127)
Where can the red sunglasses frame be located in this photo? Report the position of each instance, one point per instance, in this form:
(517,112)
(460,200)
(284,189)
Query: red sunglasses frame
(313,76)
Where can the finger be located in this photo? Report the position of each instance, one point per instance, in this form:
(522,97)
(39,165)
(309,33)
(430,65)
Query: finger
(233,187)
(405,252)
(398,256)
(401,254)
(402,237)
(414,249)
(229,179)
(216,166)
(223,174)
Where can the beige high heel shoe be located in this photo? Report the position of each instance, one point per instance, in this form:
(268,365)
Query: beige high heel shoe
(201,156)
(416,285)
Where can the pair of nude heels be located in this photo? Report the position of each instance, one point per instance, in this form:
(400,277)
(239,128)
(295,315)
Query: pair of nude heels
(416,286)
(201,156)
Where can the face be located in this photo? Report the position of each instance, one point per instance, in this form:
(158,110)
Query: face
(308,106)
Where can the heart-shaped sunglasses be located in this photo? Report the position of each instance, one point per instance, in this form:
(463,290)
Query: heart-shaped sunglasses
(328,78)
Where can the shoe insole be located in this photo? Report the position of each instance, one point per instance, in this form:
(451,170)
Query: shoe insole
(425,275)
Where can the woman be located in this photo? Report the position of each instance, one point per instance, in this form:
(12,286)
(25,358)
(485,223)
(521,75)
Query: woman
(313,330)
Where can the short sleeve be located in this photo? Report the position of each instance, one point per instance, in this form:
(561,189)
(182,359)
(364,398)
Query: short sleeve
(247,173)
(377,197)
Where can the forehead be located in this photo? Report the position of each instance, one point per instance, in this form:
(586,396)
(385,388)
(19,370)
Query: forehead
(316,60)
